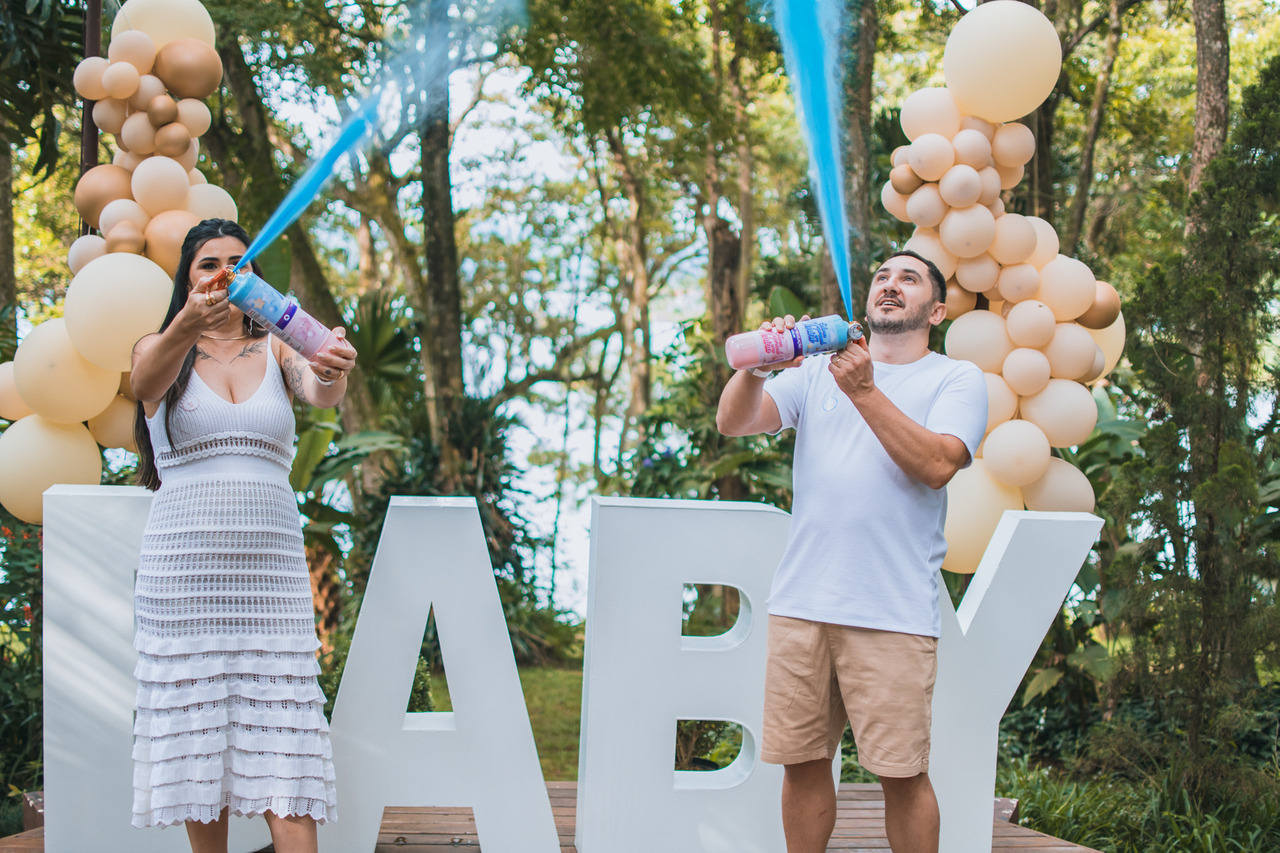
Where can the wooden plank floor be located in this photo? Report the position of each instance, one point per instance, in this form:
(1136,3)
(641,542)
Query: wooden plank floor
(859,826)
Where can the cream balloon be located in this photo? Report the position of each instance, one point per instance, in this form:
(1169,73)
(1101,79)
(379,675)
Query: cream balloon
(113,302)
(976,501)
(931,155)
(926,242)
(1068,287)
(894,202)
(160,184)
(55,380)
(1062,488)
(113,426)
(1013,145)
(134,47)
(997,208)
(138,133)
(1002,60)
(187,159)
(209,201)
(1046,243)
(959,300)
(977,274)
(986,128)
(85,249)
(1026,370)
(1104,310)
(1015,239)
(126,237)
(109,114)
(149,88)
(36,453)
(1111,340)
(197,177)
(127,160)
(1031,323)
(1018,282)
(165,233)
(979,337)
(12,406)
(926,207)
(120,80)
(973,149)
(960,186)
(930,111)
(968,232)
(1095,369)
(1002,402)
(87,78)
(1070,352)
(1016,453)
(990,185)
(120,210)
(165,21)
(899,156)
(1065,410)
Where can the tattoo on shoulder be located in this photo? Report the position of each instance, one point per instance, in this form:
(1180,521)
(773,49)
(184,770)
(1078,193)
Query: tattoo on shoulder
(201,354)
(250,349)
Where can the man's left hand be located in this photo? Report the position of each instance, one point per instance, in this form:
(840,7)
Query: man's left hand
(853,370)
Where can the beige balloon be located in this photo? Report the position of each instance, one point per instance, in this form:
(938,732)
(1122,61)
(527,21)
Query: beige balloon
(1111,340)
(127,238)
(1062,488)
(160,184)
(1095,369)
(986,128)
(1002,402)
(165,20)
(197,178)
(1026,370)
(899,156)
(1068,287)
(55,380)
(930,111)
(968,232)
(961,186)
(1015,239)
(209,201)
(1013,145)
(990,185)
(1002,60)
(134,47)
(113,302)
(1018,282)
(1016,453)
(1070,352)
(1065,410)
(997,208)
(195,115)
(120,210)
(120,80)
(165,234)
(979,337)
(977,274)
(976,501)
(109,114)
(127,160)
(149,88)
(904,180)
(35,454)
(894,202)
(973,148)
(1031,323)
(173,140)
(189,68)
(1010,176)
(162,110)
(12,406)
(138,134)
(188,158)
(98,187)
(85,249)
(959,300)
(1104,310)
(926,242)
(87,78)
(1046,243)
(931,155)
(926,207)
(113,426)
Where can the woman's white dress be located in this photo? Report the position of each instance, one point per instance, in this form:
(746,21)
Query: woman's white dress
(229,714)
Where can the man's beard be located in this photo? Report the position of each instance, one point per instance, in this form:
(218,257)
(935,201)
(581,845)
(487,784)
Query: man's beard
(912,322)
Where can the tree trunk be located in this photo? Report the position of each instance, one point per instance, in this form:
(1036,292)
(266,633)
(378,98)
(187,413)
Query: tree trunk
(860,53)
(1101,90)
(832,302)
(8,271)
(1213,66)
(632,255)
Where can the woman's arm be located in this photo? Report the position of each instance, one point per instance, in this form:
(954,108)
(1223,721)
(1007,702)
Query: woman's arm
(323,381)
(157,358)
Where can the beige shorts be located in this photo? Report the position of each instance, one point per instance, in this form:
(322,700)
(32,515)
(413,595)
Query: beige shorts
(819,675)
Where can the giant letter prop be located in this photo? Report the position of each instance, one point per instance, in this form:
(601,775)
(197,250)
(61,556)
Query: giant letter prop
(482,755)
(92,535)
(987,644)
(641,676)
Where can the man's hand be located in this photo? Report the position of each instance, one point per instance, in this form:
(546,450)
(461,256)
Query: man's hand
(853,370)
(780,325)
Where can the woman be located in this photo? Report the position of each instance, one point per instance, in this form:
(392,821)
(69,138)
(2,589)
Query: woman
(229,714)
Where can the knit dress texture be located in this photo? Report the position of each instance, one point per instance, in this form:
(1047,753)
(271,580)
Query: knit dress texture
(229,713)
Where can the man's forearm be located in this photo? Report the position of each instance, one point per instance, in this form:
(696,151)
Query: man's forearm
(922,454)
(739,411)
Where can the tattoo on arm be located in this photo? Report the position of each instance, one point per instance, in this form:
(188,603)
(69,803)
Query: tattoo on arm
(294,372)
(250,349)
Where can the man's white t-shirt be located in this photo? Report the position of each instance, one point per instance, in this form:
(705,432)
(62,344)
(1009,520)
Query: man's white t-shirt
(866,540)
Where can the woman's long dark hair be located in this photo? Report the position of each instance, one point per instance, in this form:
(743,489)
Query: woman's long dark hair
(148,475)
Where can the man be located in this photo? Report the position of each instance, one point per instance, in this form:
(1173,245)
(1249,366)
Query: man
(853,614)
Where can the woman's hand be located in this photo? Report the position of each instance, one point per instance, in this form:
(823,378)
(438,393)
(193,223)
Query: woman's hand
(335,361)
(206,307)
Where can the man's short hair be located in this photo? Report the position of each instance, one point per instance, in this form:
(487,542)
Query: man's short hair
(935,274)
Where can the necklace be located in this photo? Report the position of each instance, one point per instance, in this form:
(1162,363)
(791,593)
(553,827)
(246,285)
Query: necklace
(216,338)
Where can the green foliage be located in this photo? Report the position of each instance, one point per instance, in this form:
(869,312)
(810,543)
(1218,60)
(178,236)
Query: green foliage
(40,46)
(21,681)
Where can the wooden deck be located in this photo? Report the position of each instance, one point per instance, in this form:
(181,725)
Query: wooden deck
(859,826)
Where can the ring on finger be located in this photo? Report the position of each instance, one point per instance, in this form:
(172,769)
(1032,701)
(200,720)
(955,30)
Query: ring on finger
(209,300)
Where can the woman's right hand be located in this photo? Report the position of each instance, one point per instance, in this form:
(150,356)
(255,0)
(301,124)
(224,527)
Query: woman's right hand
(780,325)
(207,306)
